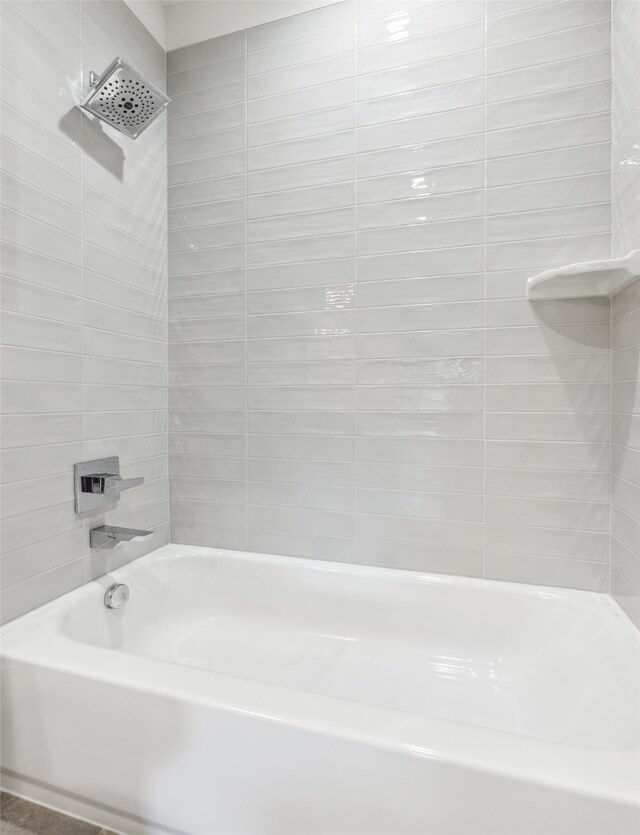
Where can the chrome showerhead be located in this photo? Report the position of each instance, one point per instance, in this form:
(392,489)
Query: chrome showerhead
(124,99)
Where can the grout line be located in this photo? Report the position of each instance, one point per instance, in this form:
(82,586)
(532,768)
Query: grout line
(246,286)
(484,306)
(611,320)
(356,284)
(86,555)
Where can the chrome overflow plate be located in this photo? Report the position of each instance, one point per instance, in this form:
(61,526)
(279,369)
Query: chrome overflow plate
(116,596)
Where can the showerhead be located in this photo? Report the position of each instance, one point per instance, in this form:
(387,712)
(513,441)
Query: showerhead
(124,99)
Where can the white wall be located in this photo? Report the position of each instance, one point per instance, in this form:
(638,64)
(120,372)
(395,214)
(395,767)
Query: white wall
(83,297)
(355,207)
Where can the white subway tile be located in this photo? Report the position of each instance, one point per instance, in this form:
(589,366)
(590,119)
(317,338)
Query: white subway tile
(436,99)
(297,151)
(294,201)
(421,183)
(592,546)
(302,175)
(209,75)
(27,562)
(553,75)
(551,106)
(413,371)
(304,75)
(301,51)
(289,471)
(296,102)
(423,210)
(549,136)
(311,373)
(304,274)
(208,490)
(315,496)
(418,557)
(39,589)
(301,423)
(419,477)
(314,123)
(209,98)
(206,145)
(400,398)
(407,291)
(548,572)
(217,422)
(466,508)
(207,237)
(553,46)
(432,532)
(206,122)
(294,544)
(301,249)
(438,451)
(291,324)
(547,426)
(554,368)
(311,447)
(207,191)
(35,300)
(20,430)
(435,126)
(548,455)
(27,397)
(449,41)
(46,334)
(549,165)
(420,317)
(327,222)
(306,520)
(419,76)
(544,484)
(545,19)
(437,262)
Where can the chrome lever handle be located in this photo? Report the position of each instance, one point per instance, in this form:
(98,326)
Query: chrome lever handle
(115,484)
(108,484)
(98,484)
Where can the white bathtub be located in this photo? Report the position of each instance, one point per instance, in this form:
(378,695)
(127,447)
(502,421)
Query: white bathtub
(260,695)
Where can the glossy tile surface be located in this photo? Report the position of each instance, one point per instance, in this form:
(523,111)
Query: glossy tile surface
(83,297)
(406,167)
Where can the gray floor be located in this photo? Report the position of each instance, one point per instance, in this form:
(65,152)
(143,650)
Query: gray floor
(20,817)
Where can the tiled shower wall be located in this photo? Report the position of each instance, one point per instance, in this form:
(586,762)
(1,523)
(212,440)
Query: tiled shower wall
(83,296)
(357,196)
(625,432)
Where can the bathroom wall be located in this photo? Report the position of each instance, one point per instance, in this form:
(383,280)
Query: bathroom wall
(191,21)
(83,296)
(357,196)
(625,434)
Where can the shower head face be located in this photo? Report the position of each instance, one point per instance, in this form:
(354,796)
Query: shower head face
(124,99)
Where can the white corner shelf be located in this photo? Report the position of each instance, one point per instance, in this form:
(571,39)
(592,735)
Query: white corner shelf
(586,280)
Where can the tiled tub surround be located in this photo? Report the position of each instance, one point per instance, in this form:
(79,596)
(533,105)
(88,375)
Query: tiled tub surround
(355,371)
(625,430)
(83,296)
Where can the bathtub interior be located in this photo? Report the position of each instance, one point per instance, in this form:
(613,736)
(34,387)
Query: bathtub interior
(555,665)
